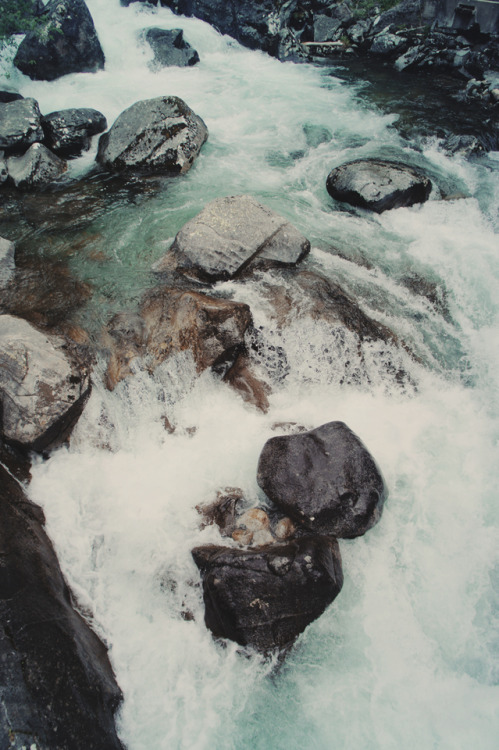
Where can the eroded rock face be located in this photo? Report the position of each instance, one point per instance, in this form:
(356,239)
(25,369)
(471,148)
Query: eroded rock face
(64,42)
(377,185)
(230,234)
(170,48)
(20,125)
(174,320)
(161,135)
(57,688)
(266,597)
(325,480)
(36,168)
(42,392)
(68,131)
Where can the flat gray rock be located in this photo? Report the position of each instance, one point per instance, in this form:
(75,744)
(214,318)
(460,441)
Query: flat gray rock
(160,135)
(231,233)
(20,125)
(170,48)
(377,185)
(41,390)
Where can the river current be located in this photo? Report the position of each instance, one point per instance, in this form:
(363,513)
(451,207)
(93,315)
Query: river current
(408,654)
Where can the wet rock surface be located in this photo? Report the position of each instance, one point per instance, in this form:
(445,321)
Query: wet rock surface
(174,320)
(265,597)
(42,391)
(20,125)
(377,185)
(68,132)
(65,41)
(324,479)
(231,234)
(170,48)
(154,135)
(36,168)
(57,687)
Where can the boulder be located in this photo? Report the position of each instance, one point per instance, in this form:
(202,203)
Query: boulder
(247,384)
(386,44)
(65,41)
(378,185)
(57,687)
(325,28)
(20,125)
(174,320)
(36,168)
(170,48)
(325,480)
(7,262)
(68,132)
(42,390)
(230,234)
(9,96)
(154,135)
(265,597)
(404,15)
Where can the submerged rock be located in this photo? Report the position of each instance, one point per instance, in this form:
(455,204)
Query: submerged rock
(266,597)
(170,48)
(253,390)
(325,480)
(161,135)
(65,41)
(377,185)
(57,687)
(174,320)
(223,511)
(42,390)
(36,168)
(20,125)
(229,235)
(68,131)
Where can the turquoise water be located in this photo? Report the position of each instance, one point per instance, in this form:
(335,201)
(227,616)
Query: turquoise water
(407,656)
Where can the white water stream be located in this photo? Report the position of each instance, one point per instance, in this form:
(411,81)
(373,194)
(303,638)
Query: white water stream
(408,655)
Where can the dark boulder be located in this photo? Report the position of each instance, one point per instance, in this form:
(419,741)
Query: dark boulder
(170,48)
(68,132)
(57,687)
(9,96)
(161,135)
(229,235)
(36,168)
(325,480)
(266,597)
(378,185)
(42,388)
(20,125)
(64,42)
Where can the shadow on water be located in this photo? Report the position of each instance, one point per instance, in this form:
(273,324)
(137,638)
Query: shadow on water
(427,105)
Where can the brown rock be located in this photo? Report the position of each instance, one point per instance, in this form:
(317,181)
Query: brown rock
(252,390)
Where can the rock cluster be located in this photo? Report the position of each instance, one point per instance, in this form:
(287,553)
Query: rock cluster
(322,484)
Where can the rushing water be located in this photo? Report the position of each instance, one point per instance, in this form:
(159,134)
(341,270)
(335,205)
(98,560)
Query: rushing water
(408,655)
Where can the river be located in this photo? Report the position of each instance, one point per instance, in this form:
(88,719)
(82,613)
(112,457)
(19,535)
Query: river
(408,654)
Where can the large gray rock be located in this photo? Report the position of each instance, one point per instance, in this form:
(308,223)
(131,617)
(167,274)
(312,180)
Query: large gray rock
(325,480)
(231,233)
(68,132)
(20,125)
(266,597)
(7,262)
(42,391)
(65,41)
(57,687)
(386,44)
(37,167)
(170,48)
(154,135)
(377,185)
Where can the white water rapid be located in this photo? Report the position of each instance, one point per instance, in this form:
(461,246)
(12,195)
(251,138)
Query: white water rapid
(407,657)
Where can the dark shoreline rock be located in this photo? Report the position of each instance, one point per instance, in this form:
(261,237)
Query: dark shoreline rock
(57,688)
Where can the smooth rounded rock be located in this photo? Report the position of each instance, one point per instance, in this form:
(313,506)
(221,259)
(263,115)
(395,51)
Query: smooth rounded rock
(377,185)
